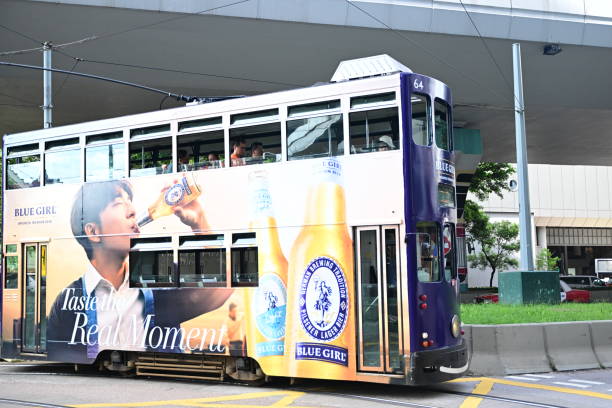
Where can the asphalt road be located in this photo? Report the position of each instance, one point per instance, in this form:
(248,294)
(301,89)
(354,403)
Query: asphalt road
(53,385)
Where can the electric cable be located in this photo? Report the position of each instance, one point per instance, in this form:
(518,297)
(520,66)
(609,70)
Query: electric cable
(431,54)
(185,98)
(65,79)
(489,52)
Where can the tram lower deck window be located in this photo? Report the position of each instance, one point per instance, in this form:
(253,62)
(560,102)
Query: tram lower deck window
(203,267)
(428,252)
(151,263)
(11,272)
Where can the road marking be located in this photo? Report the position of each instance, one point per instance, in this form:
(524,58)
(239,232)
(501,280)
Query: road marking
(571,384)
(588,382)
(522,378)
(212,402)
(536,386)
(548,377)
(482,388)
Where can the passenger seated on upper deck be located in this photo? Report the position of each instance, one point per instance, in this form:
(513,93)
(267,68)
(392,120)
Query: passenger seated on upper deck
(257,150)
(239,151)
(183,160)
(385,143)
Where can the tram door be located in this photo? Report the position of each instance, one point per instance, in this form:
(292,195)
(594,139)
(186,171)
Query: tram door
(34,290)
(378,303)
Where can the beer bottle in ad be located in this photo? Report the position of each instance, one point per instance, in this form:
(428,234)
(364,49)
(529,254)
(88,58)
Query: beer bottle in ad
(268,302)
(181,193)
(320,340)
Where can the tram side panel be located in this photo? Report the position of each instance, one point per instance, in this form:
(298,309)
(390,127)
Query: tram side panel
(298,319)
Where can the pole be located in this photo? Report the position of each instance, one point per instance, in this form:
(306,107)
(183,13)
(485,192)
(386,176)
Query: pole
(47,87)
(526,259)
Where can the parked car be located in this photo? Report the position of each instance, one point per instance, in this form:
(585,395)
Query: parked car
(488,298)
(603,282)
(567,295)
(580,281)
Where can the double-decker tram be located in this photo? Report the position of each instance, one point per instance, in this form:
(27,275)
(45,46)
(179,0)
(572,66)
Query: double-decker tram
(306,233)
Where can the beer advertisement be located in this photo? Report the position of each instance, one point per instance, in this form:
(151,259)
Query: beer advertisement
(253,261)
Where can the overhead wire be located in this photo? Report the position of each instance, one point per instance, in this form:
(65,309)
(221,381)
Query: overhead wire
(58,49)
(185,98)
(65,79)
(424,49)
(490,53)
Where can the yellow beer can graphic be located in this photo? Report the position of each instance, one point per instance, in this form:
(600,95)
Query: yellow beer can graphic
(320,329)
(268,302)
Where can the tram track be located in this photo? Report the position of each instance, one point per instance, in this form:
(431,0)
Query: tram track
(372,399)
(401,403)
(30,403)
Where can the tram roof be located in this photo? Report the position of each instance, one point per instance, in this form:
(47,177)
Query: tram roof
(314,93)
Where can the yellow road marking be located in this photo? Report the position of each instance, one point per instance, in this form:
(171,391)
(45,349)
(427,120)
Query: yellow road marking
(482,388)
(287,398)
(536,386)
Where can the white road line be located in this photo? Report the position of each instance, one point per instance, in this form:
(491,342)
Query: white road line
(548,377)
(572,384)
(588,382)
(522,378)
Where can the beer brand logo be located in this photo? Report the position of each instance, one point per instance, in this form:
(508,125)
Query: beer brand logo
(323,300)
(270,306)
(174,195)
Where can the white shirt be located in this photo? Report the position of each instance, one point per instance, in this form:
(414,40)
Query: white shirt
(119,312)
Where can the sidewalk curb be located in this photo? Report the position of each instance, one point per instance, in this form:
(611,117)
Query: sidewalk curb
(507,349)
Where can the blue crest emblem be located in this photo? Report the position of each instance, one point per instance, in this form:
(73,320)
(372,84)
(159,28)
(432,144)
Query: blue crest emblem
(270,308)
(323,300)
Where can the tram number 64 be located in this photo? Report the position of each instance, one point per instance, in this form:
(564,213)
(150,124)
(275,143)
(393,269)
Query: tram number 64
(418,84)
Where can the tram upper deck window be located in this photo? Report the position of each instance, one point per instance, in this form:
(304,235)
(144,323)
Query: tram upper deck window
(441,124)
(428,252)
(150,156)
(255,144)
(421,114)
(151,262)
(23,166)
(62,161)
(314,131)
(374,130)
(203,150)
(104,157)
(202,261)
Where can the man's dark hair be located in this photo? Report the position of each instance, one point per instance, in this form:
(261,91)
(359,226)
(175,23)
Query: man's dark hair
(89,202)
(238,141)
(256,145)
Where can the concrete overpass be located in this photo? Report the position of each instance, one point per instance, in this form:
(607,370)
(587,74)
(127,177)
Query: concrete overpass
(227,47)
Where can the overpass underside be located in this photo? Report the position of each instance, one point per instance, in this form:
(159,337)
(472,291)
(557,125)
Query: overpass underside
(260,46)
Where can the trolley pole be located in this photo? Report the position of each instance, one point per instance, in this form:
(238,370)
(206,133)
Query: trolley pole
(526,252)
(47,87)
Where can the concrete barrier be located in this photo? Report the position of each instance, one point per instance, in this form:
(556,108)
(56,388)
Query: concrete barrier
(569,346)
(522,348)
(538,347)
(485,358)
(601,333)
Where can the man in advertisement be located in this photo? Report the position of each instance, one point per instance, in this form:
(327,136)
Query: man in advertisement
(100,310)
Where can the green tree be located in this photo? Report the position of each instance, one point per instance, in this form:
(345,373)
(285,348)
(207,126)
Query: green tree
(490,178)
(498,241)
(545,261)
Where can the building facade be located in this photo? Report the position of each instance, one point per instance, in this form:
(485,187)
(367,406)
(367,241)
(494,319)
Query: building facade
(571,210)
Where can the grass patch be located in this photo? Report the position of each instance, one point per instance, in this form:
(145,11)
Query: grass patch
(492,313)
